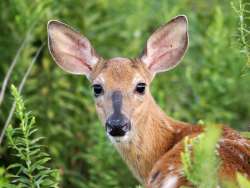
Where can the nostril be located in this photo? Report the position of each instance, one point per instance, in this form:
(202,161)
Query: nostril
(108,127)
(126,126)
(117,127)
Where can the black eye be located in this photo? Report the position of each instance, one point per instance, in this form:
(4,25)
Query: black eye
(140,88)
(98,90)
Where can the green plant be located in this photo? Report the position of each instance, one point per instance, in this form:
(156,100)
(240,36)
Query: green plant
(242,10)
(4,181)
(207,85)
(199,159)
(243,181)
(201,163)
(30,169)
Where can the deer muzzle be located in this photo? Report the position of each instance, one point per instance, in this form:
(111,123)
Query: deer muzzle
(117,123)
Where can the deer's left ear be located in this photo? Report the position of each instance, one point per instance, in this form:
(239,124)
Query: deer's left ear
(166,46)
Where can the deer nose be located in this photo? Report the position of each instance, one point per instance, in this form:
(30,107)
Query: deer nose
(117,126)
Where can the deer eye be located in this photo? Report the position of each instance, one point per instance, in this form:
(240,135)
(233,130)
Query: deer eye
(140,88)
(98,90)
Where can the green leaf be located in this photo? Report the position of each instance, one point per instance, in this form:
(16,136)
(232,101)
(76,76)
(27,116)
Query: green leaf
(243,181)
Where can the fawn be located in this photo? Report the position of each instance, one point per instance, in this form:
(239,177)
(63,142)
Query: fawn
(149,141)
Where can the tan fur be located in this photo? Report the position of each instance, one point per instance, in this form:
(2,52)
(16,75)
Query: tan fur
(157,140)
(234,153)
(153,145)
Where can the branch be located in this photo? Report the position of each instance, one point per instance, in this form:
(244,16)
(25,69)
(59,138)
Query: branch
(20,88)
(13,64)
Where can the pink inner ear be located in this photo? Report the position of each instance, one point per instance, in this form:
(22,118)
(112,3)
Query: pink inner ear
(165,56)
(71,51)
(78,62)
(166,46)
(72,64)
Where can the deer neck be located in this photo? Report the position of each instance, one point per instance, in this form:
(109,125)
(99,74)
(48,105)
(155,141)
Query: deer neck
(152,136)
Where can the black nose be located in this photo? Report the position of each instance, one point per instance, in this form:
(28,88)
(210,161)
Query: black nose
(117,126)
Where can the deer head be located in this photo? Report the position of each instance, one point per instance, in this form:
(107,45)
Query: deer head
(120,85)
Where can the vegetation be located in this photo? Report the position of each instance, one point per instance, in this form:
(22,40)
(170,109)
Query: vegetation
(211,84)
(201,157)
(204,148)
(242,10)
(31,171)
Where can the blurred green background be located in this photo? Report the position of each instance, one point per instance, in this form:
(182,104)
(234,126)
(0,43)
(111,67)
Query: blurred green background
(212,83)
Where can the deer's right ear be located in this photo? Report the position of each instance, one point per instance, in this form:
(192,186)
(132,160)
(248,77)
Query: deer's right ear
(70,50)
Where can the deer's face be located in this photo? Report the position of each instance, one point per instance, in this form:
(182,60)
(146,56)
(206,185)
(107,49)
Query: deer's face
(120,88)
(120,85)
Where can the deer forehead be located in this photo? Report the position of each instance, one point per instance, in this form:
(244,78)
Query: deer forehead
(120,73)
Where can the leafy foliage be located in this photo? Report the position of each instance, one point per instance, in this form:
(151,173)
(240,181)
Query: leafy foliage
(244,31)
(30,169)
(243,182)
(208,85)
(201,163)
(199,158)
(4,181)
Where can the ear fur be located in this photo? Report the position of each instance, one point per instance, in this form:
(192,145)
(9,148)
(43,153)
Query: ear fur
(70,50)
(166,46)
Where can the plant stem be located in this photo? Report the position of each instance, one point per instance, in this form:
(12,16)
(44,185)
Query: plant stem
(20,88)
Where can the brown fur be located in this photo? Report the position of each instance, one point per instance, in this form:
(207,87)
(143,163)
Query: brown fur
(234,153)
(157,139)
(153,146)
